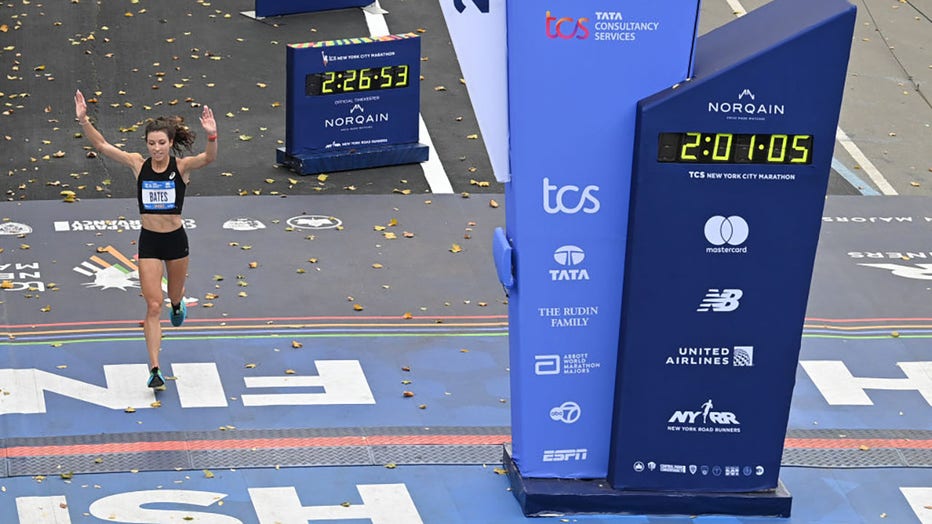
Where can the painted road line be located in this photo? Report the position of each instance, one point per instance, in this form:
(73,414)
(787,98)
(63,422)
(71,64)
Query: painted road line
(436,177)
(876,177)
(863,187)
(737,8)
(868,167)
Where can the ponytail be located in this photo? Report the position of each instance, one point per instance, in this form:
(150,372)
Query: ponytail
(181,137)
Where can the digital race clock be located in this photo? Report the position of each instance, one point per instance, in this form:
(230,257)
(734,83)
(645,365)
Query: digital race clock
(734,148)
(356,80)
(353,103)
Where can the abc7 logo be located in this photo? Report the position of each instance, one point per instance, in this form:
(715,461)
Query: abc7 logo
(568,413)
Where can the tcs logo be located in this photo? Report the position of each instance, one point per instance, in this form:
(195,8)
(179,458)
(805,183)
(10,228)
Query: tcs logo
(567,28)
(555,199)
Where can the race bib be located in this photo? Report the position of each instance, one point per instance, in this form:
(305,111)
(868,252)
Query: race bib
(158,195)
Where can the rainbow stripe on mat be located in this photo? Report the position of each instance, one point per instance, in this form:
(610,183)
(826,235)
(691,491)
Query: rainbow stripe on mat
(353,41)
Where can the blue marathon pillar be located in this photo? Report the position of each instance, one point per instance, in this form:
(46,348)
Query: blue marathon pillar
(575,73)
(730,174)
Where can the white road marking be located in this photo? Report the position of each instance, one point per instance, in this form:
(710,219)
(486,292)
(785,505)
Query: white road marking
(872,172)
(436,177)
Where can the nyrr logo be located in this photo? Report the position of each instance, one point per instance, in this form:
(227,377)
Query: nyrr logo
(565,455)
(569,257)
(567,413)
(585,202)
(704,420)
(566,28)
(720,301)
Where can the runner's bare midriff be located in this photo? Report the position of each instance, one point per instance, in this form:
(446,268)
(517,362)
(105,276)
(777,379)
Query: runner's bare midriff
(160,223)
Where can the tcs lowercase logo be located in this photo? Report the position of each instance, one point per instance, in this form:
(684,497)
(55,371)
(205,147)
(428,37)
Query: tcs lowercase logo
(566,28)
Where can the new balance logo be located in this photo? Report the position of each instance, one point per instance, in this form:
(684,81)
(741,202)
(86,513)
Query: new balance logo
(720,301)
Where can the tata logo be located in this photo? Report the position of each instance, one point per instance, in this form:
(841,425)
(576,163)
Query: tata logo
(569,256)
(570,199)
(567,28)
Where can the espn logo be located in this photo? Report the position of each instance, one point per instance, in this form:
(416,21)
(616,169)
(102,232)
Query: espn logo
(565,455)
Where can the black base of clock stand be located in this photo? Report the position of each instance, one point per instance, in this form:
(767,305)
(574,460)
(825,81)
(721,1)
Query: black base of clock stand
(346,159)
(540,497)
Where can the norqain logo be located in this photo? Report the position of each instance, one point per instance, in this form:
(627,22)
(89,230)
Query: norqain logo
(746,104)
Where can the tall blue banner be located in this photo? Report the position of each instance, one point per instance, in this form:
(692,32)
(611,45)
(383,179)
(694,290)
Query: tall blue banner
(729,183)
(576,70)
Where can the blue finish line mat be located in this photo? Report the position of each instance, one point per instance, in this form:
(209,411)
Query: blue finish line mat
(358,344)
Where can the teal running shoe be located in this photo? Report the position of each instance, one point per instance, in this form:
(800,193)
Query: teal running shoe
(178,315)
(156,380)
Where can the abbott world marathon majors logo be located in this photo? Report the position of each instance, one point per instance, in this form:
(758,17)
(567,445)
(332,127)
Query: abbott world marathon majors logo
(704,420)
(570,259)
(726,234)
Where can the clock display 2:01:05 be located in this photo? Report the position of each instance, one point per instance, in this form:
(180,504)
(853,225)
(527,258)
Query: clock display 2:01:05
(356,80)
(734,148)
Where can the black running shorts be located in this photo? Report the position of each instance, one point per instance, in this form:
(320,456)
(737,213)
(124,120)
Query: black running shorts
(163,246)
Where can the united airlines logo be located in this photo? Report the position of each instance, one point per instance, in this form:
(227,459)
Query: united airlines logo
(569,257)
(720,301)
(743,356)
